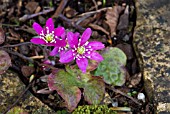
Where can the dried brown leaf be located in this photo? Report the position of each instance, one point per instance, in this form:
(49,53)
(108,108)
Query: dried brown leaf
(2,36)
(60,8)
(15,36)
(31,6)
(124,20)
(135,79)
(112,16)
(27,70)
(70,12)
(5,61)
(24,49)
(97,27)
(44,91)
(86,21)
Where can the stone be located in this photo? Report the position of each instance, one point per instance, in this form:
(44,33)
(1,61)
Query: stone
(152,46)
(11,88)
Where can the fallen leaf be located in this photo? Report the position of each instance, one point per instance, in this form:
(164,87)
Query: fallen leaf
(31,6)
(124,20)
(24,49)
(85,22)
(112,17)
(27,70)
(5,61)
(14,35)
(97,27)
(107,99)
(135,79)
(44,91)
(70,12)
(2,36)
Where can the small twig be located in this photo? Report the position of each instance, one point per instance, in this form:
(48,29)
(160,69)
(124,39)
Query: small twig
(9,25)
(71,23)
(10,107)
(94,12)
(46,65)
(95,4)
(88,14)
(118,91)
(37,57)
(26,17)
(120,109)
(97,27)
(19,55)
(45,53)
(60,8)
(15,45)
(82,19)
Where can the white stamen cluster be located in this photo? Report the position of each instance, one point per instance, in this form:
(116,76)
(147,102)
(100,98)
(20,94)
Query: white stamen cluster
(48,35)
(85,51)
(65,47)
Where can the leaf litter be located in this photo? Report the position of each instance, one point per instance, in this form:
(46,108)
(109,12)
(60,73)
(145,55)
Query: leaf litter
(110,23)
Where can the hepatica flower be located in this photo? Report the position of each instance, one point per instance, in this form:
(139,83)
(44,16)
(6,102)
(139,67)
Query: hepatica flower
(81,50)
(60,49)
(48,35)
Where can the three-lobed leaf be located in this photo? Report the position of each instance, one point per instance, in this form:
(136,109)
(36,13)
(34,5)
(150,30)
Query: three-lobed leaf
(94,90)
(61,82)
(67,84)
(112,68)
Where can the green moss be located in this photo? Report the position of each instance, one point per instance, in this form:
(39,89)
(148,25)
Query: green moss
(95,109)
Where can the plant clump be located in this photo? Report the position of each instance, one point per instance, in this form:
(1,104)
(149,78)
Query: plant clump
(76,79)
(95,109)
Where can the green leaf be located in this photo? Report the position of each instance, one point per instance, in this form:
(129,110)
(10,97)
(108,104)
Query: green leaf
(94,90)
(112,67)
(115,54)
(92,65)
(82,77)
(65,87)
(71,95)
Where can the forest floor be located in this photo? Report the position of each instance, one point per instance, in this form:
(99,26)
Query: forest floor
(112,23)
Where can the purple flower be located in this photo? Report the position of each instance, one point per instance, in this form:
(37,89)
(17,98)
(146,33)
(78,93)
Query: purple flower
(82,50)
(48,35)
(62,49)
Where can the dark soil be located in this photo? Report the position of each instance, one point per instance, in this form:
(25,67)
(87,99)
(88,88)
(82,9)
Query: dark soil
(73,15)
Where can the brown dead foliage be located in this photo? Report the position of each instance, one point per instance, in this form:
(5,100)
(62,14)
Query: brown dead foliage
(112,17)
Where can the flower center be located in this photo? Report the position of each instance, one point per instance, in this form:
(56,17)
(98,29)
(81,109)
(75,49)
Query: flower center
(49,37)
(67,45)
(80,50)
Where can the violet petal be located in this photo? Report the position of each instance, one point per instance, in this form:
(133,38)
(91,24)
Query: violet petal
(60,43)
(72,39)
(66,57)
(85,36)
(54,52)
(37,41)
(96,45)
(82,64)
(50,24)
(62,52)
(50,44)
(37,28)
(59,31)
(96,56)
